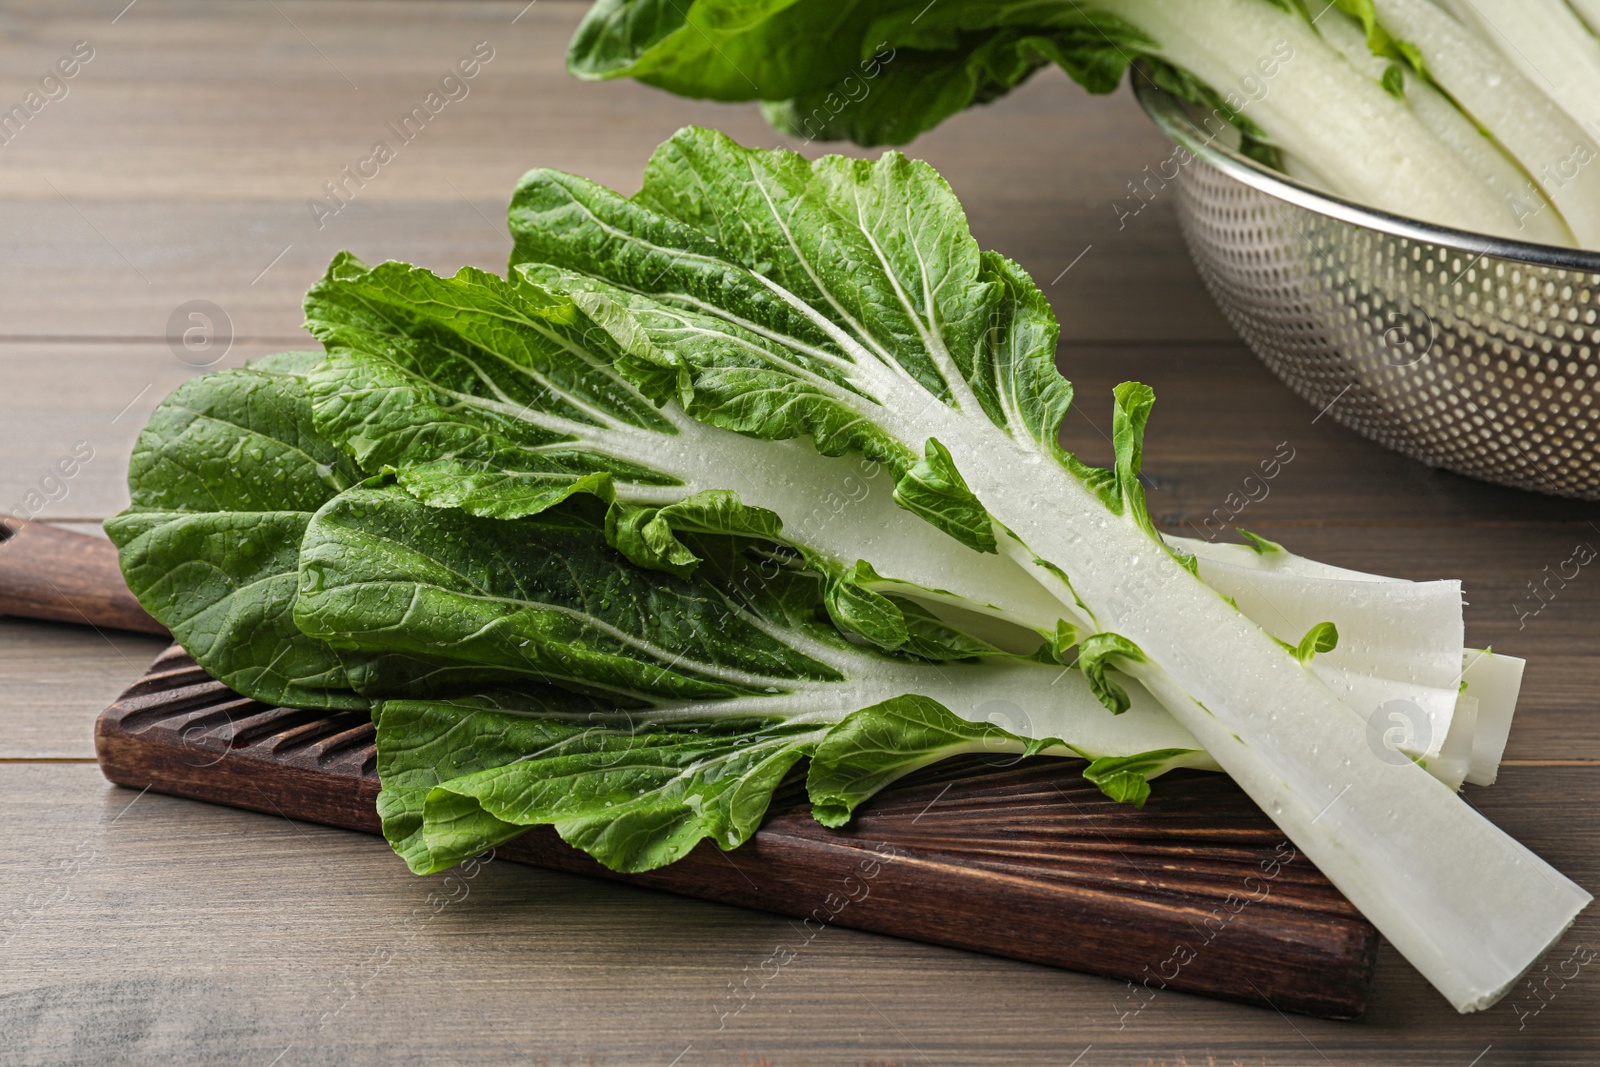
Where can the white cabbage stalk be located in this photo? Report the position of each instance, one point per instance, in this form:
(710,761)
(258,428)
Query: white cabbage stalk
(1548,43)
(1494,681)
(1304,173)
(1406,635)
(1590,12)
(855,518)
(1400,642)
(1539,220)
(1455,756)
(1548,143)
(1391,837)
(1365,143)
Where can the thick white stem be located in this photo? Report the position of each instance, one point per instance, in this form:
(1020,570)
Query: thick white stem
(853,514)
(1548,43)
(1428,625)
(1032,700)
(854,517)
(1493,681)
(1549,144)
(1538,218)
(1367,144)
(1589,11)
(1399,644)
(1469,906)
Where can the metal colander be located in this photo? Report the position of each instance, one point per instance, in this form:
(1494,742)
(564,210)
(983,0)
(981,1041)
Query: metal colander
(1471,353)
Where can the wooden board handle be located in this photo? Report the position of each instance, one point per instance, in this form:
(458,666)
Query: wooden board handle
(50,573)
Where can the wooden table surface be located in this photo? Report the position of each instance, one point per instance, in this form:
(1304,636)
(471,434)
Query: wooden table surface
(143,929)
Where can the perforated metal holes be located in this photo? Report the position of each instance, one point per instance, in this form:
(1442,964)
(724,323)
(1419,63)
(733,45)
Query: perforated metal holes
(1480,364)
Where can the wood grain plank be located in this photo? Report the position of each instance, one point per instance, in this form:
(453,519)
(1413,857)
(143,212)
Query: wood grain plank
(223,128)
(92,529)
(53,676)
(172,930)
(210,935)
(86,402)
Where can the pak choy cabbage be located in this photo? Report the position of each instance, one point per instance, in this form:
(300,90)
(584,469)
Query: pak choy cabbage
(1483,115)
(755,474)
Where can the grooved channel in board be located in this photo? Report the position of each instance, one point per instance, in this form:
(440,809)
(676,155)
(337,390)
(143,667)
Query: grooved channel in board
(1023,859)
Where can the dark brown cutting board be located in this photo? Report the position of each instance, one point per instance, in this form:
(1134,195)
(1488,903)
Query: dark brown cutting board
(1197,892)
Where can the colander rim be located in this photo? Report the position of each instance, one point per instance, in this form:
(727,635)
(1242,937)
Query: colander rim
(1172,117)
